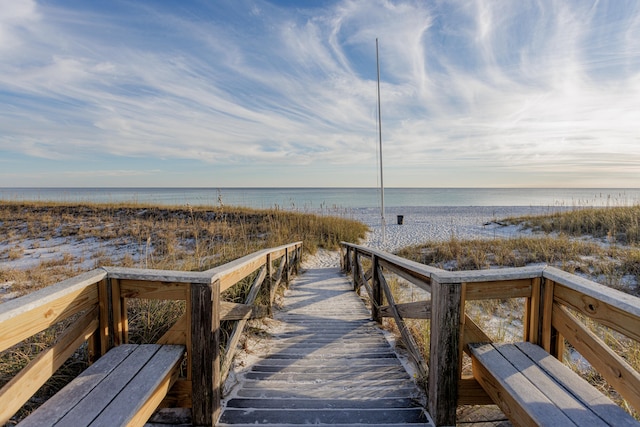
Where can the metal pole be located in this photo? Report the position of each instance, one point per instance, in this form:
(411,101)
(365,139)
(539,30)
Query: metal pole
(380,140)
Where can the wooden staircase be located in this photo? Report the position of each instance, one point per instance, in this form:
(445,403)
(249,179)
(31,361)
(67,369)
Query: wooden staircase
(330,364)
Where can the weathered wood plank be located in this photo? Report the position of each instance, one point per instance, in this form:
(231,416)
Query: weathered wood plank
(407,338)
(532,312)
(444,352)
(205,352)
(16,392)
(153,290)
(588,395)
(144,392)
(562,398)
(66,399)
(612,367)
(177,334)
(518,398)
(492,275)
(22,317)
(409,310)
(376,291)
(470,392)
(238,328)
(417,278)
(164,276)
(506,289)
(473,334)
(609,311)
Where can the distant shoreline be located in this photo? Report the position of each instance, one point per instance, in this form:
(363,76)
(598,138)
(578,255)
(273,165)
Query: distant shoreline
(325,200)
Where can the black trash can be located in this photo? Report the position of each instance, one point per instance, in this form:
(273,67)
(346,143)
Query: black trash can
(400,219)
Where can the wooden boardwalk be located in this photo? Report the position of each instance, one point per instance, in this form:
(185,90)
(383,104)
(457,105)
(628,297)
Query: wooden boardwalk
(330,365)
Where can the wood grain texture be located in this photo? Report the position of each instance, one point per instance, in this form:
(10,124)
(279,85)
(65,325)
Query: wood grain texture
(518,398)
(604,310)
(612,367)
(409,310)
(22,317)
(16,392)
(407,338)
(498,290)
(444,353)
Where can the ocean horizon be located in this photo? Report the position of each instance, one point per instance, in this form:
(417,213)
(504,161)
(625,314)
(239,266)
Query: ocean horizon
(330,198)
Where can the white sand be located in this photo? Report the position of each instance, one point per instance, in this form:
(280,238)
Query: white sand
(422,224)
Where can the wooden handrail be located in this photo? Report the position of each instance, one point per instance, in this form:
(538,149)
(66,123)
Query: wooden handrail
(549,293)
(100,298)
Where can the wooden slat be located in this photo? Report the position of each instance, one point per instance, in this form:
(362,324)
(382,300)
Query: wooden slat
(19,390)
(162,276)
(512,391)
(498,290)
(562,398)
(612,367)
(66,399)
(418,279)
(473,334)
(376,291)
(238,328)
(234,311)
(119,314)
(408,340)
(179,395)
(532,312)
(144,392)
(409,310)
(626,323)
(588,395)
(547,333)
(153,290)
(177,334)
(23,317)
(470,392)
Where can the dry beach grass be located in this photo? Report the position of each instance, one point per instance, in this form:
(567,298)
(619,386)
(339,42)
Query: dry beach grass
(601,244)
(44,243)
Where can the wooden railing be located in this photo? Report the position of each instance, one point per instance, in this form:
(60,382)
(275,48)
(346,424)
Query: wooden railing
(554,303)
(97,301)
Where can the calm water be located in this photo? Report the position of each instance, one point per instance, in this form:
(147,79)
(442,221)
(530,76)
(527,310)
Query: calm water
(334,198)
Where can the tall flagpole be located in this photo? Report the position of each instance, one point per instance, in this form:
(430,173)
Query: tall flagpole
(384,236)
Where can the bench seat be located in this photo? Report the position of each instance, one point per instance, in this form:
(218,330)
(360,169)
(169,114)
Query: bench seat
(534,388)
(122,388)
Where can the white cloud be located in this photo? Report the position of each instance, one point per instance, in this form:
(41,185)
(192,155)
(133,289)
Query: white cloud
(521,86)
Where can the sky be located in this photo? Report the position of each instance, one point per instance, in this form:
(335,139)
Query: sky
(270,93)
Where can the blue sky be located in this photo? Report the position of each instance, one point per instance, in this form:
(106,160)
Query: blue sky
(283,93)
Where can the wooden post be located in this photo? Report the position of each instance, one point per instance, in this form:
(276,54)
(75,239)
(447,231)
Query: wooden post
(444,352)
(106,316)
(205,354)
(550,339)
(355,270)
(377,291)
(286,266)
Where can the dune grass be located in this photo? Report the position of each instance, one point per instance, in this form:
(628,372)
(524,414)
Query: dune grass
(137,235)
(601,244)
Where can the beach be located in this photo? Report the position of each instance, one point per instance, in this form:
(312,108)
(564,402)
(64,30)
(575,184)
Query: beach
(429,223)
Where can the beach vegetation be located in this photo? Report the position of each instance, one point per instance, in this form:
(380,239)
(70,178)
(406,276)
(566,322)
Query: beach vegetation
(64,240)
(599,244)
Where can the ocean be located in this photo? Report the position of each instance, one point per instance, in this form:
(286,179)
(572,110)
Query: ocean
(314,199)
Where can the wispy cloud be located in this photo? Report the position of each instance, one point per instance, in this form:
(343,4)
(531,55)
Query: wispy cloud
(484,88)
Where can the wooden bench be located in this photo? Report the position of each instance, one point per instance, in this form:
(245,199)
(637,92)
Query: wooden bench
(122,388)
(534,388)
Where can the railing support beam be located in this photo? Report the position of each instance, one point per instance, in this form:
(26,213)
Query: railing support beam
(444,352)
